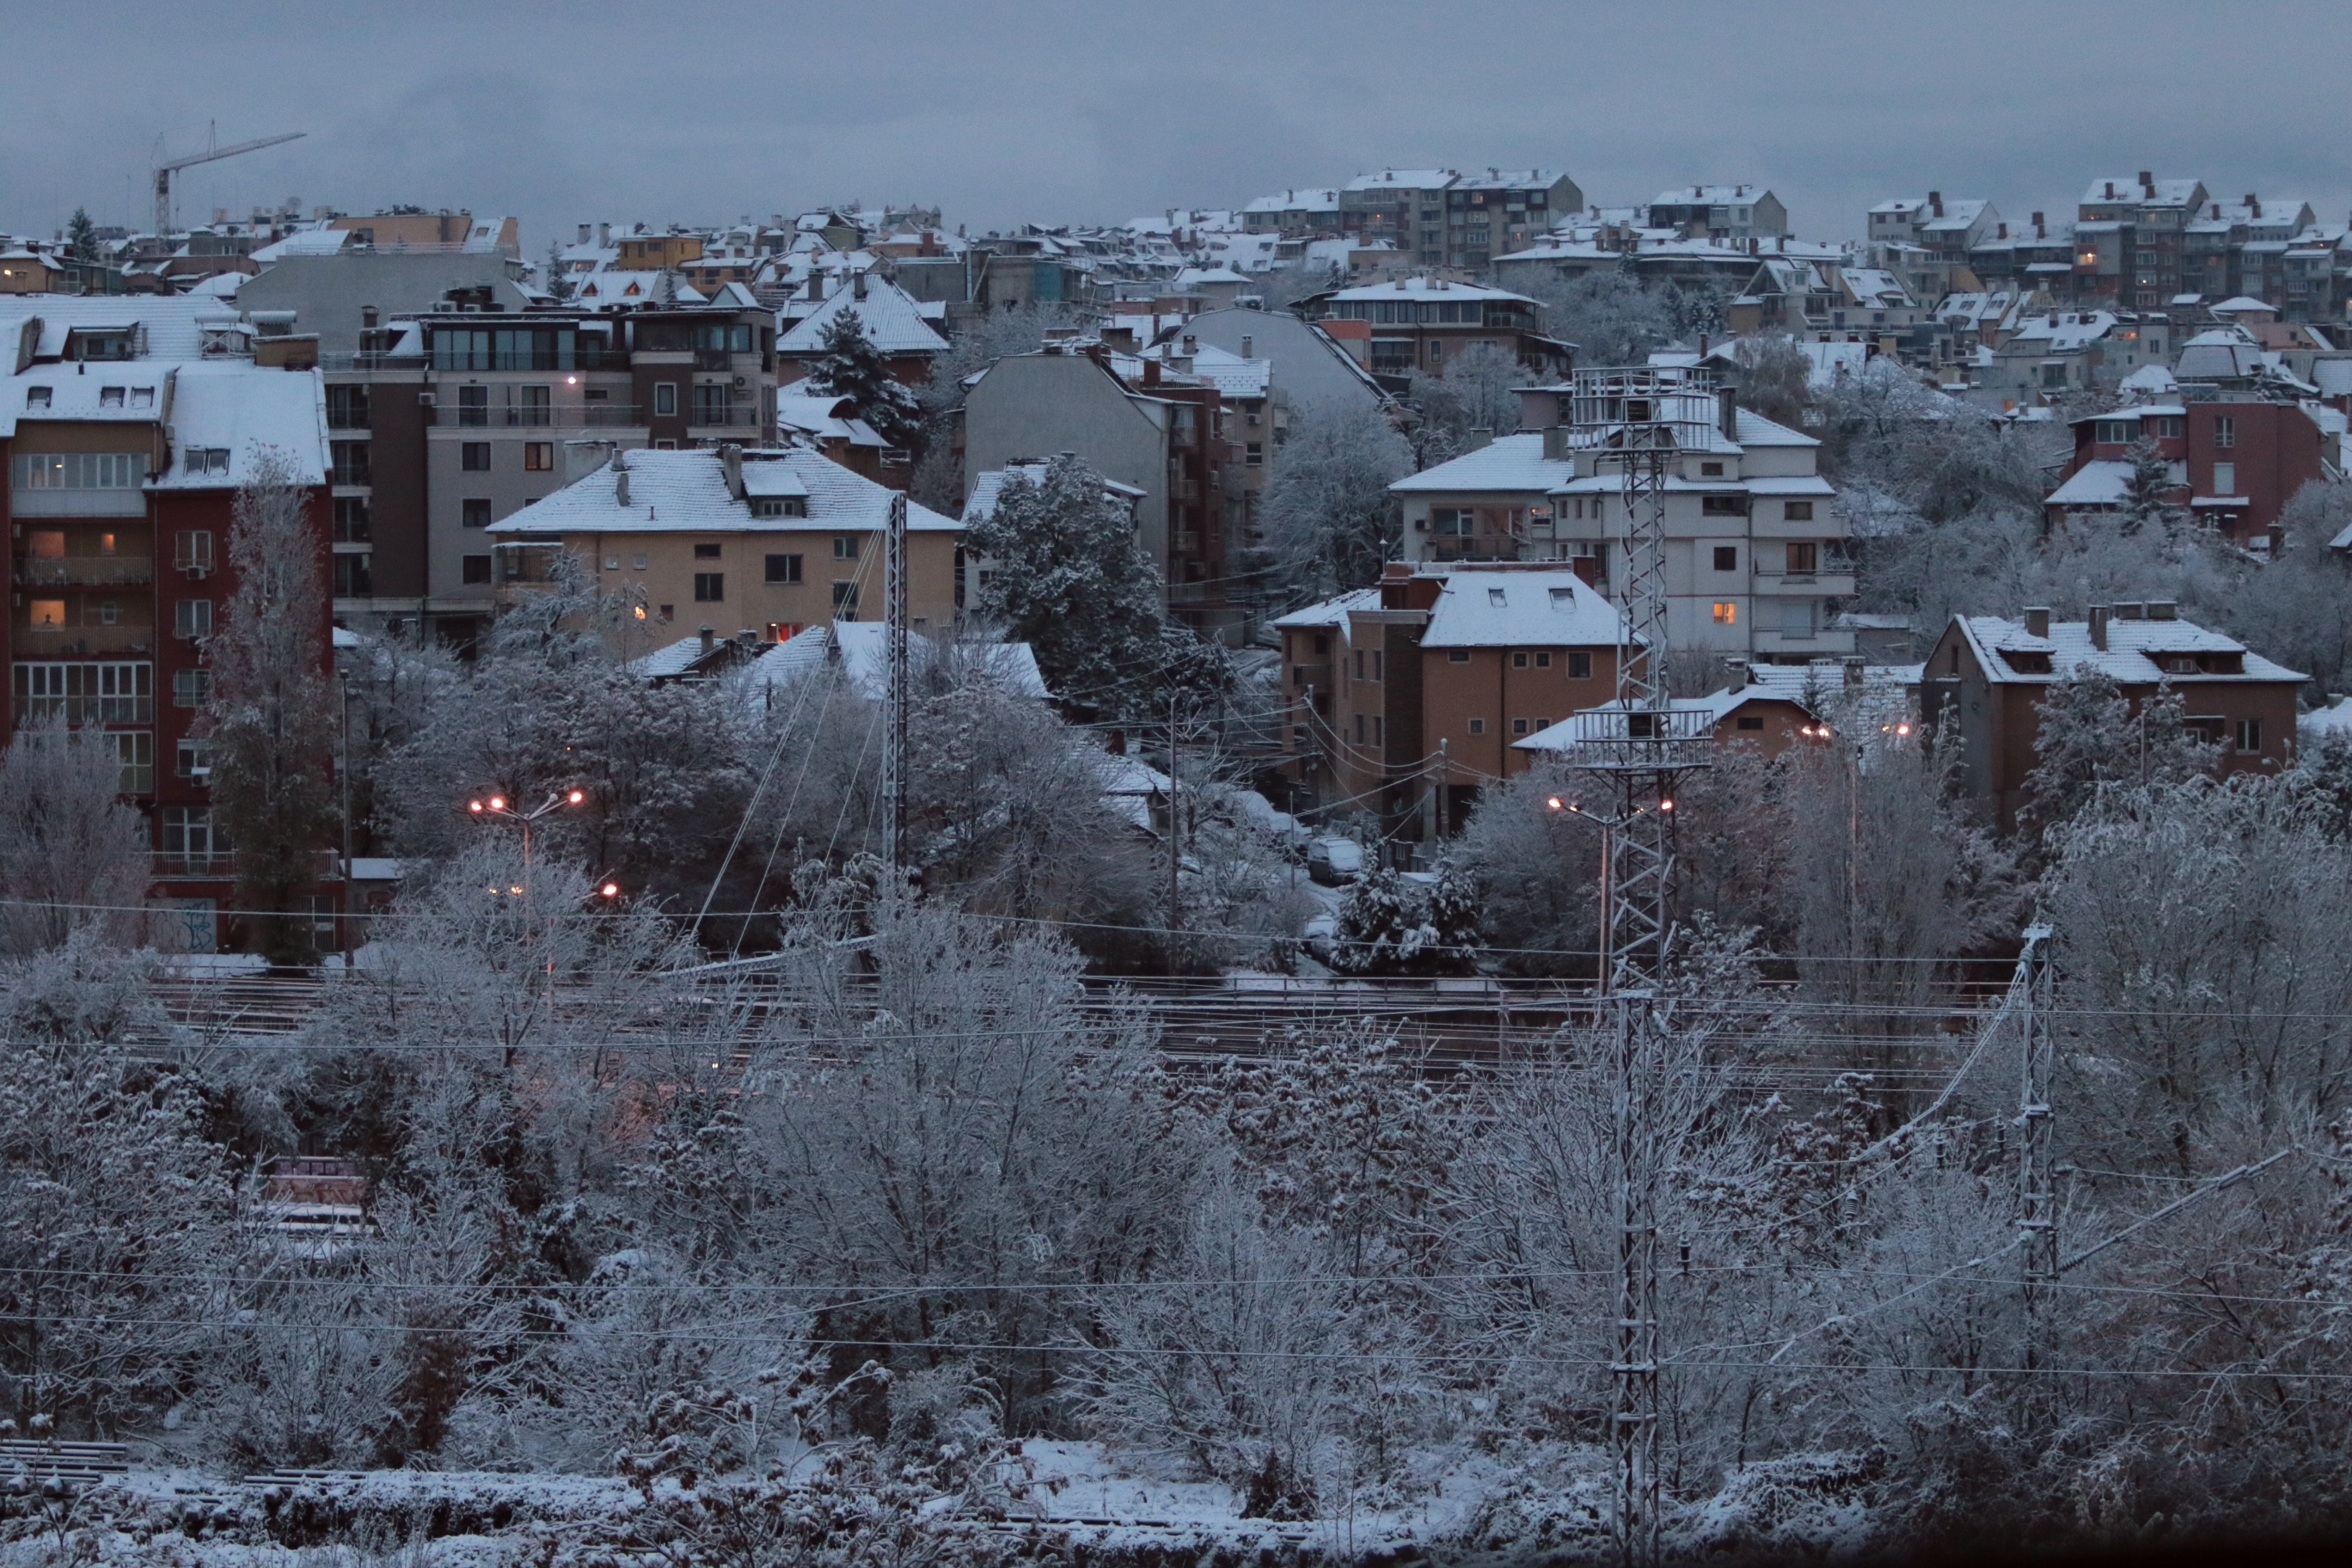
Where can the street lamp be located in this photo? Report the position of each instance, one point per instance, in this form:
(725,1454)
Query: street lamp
(495,805)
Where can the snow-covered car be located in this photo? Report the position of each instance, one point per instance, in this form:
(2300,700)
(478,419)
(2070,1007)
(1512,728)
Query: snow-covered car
(1335,861)
(1317,937)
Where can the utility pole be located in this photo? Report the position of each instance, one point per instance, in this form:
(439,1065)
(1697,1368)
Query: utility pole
(1175,842)
(1635,421)
(2037,1218)
(894,700)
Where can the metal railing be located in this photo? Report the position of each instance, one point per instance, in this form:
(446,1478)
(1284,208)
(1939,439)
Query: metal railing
(729,418)
(89,709)
(205,866)
(93,571)
(64,640)
(588,416)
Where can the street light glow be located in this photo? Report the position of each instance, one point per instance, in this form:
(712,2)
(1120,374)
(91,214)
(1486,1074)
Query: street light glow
(576,796)
(473,806)
(612,889)
(1554,803)
(497,802)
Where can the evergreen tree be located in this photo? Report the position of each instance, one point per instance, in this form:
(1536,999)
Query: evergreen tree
(1067,577)
(272,721)
(849,365)
(81,237)
(2148,491)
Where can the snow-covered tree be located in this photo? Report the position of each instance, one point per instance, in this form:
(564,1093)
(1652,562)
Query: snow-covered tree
(1775,378)
(1608,314)
(1068,578)
(272,721)
(72,854)
(1390,925)
(1328,512)
(2148,492)
(1475,400)
(849,365)
(2090,738)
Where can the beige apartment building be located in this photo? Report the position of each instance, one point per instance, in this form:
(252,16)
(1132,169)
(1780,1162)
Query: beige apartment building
(759,543)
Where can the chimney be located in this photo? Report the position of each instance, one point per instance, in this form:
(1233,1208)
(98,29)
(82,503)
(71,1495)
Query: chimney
(709,641)
(367,316)
(1150,373)
(2217,209)
(730,466)
(2111,190)
(2004,231)
(585,230)
(603,234)
(2098,622)
(1853,667)
(620,481)
(1192,344)
(2039,229)
(2148,181)
(1726,412)
(2254,204)
(1738,670)
(1247,343)
(2037,621)
(2163,610)
(1936,202)
(858,284)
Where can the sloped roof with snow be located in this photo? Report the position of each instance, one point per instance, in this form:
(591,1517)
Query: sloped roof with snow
(675,492)
(891,317)
(2129,657)
(1331,613)
(236,405)
(633,288)
(1520,609)
(1512,463)
(1427,289)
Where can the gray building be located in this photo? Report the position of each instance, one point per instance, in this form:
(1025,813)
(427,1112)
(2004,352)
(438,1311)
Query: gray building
(331,295)
(1309,369)
(1031,406)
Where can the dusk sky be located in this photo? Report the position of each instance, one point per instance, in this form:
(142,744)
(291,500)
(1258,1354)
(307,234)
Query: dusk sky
(1104,110)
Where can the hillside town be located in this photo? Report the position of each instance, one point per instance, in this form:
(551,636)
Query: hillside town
(1454,866)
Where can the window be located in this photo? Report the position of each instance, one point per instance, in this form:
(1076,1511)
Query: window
(2225,433)
(474,570)
(474,458)
(190,833)
(1804,560)
(1518,726)
(1723,506)
(1751,721)
(1580,665)
(1519,661)
(1796,511)
(192,618)
(1477,726)
(1457,656)
(84,693)
(1543,661)
(191,687)
(354,577)
(538,457)
(2225,479)
(2112,432)
(347,407)
(2250,735)
(709,587)
(134,752)
(1360,664)
(1359,728)
(37,396)
(108,612)
(85,471)
(535,406)
(780,505)
(352,525)
(191,548)
(784,569)
(665,399)
(474,511)
(1254,455)
(1710,470)
(195,761)
(1455,522)
(473,405)
(1376,664)
(669,612)
(1725,613)
(706,552)
(845,547)
(639,561)
(845,600)
(110,396)
(204,460)
(713,403)
(48,612)
(350,462)
(1727,558)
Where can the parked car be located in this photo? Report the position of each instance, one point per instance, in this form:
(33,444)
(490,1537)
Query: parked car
(1335,861)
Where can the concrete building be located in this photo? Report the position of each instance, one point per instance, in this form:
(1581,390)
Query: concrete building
(333,296)
(1757,563)
(751,544)
(1991,677)
(1421,323)
(1739,213)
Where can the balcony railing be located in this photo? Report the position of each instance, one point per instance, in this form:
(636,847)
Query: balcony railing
(195,865)
(729,418)
(89,709)
(590,415)
(70,640)
(83,572)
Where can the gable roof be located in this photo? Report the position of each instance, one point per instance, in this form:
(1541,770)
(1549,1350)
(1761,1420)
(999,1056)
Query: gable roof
(687,491)
(1520,609)
(891,317)
(2129,659)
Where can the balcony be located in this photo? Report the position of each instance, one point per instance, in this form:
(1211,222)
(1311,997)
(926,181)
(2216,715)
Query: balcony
(710,418)
(83,572)
(589,415)
(714,359)
(192,866)
(89,709)
(62,642)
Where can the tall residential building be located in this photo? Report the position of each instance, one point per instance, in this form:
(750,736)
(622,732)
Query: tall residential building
(126,429)
(1739,213)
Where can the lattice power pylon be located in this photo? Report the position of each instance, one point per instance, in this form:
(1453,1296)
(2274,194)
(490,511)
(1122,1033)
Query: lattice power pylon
(1639,423)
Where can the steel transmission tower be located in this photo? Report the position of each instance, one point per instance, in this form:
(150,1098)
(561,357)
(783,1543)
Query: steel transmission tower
(2037,1216)
(894,700)
(1639,423)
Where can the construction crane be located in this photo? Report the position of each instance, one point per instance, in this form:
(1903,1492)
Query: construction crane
(212,154)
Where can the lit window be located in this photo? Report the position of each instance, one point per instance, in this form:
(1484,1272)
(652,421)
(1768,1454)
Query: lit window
(1726,612)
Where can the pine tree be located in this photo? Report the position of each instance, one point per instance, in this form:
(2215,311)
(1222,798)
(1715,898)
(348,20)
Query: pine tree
(1067,577)
(2148,491)
(849,365)
(81,235)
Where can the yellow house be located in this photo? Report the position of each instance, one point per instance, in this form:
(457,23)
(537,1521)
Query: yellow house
(23,272)
(758,542)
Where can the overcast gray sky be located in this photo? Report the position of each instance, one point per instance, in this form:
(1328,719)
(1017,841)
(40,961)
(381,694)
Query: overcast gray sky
(1103,109)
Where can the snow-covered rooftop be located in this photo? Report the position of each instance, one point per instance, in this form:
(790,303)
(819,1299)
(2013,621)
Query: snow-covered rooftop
(891,319)
(1506,463)
(2130,657)
(1331,613)
(1520,608)
(671,491)
(1427,289)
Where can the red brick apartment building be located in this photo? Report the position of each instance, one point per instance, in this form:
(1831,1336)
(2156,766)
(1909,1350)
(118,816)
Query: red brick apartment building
(2237,458)
(126,428)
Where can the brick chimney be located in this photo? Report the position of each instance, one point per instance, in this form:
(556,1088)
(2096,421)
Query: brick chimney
(2037,621)
(1853,668)
(709,640)
(2098,622)
(858,284)
(1936,202)
(2148,181)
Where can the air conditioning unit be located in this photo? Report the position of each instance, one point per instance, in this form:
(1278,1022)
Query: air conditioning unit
(196,572)
(425,400)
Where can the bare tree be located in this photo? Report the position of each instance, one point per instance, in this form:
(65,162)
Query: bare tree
(1329,513)
(73,856)
(272,721)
